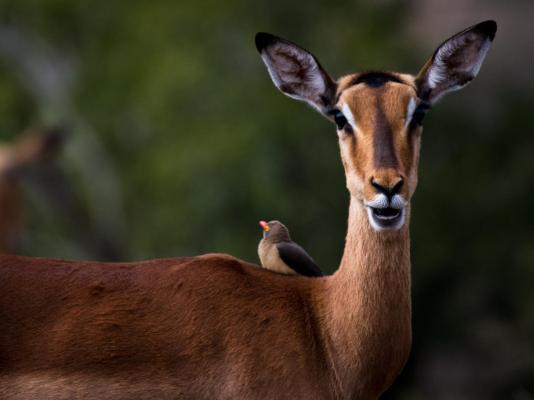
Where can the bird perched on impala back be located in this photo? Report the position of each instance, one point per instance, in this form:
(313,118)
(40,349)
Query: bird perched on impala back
(279,254)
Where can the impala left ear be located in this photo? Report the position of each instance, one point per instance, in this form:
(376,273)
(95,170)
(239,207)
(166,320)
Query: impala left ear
(455,62)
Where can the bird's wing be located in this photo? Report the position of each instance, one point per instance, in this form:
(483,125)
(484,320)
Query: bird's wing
(297,259)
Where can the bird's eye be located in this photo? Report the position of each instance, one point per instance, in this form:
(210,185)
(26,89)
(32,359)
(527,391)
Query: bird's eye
(340,119)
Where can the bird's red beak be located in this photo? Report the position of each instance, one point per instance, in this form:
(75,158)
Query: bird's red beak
(265,226)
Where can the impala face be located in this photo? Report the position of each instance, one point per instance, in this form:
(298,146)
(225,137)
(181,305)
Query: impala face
(378,118)
(378,115)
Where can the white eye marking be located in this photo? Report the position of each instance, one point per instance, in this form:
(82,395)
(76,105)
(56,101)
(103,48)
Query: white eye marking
(348,114)
(409,111)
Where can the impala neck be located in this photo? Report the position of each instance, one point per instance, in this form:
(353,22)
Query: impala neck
(369,308)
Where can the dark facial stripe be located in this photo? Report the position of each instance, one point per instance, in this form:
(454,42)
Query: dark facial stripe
(384,151)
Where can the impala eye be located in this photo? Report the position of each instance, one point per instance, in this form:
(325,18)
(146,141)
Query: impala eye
(340,119)
(419,113)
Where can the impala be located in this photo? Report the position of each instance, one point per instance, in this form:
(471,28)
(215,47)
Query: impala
(216,327)
(17,159)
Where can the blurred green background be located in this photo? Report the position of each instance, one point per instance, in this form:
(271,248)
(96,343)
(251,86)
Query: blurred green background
(179,143)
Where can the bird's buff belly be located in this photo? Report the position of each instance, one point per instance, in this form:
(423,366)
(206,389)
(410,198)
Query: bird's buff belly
(273,262)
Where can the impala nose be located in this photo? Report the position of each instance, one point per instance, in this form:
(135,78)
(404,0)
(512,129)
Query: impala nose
(389,189)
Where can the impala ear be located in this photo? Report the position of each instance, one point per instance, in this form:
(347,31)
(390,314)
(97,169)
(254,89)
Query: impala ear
(455,62)
(296,72)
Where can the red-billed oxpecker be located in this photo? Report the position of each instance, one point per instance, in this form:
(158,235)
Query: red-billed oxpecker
(280,254)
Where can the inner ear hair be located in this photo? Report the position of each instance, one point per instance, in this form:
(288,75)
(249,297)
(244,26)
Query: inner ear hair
(456,62)
(296,72)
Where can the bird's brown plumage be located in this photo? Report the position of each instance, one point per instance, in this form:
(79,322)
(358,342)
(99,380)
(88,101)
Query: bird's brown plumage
(280,254)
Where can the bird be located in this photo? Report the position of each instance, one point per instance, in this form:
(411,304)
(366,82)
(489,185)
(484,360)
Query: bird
(280,254)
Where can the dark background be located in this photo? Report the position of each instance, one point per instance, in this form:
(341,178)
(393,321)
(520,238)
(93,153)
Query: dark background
(179,143)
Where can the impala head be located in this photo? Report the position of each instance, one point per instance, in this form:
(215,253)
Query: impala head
(378,115)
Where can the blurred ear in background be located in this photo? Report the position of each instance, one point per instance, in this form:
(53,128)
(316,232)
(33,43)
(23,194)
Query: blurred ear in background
(32,177)
(22,160)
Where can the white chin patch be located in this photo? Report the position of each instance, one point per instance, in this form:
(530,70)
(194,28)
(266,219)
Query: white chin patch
(384,214)
(388,223)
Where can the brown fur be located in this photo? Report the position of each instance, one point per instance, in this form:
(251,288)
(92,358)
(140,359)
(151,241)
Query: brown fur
(206,327)
(11,213)
(202,327)
(213,326)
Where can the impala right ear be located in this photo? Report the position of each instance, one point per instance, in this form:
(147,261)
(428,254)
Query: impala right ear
(296,72)
(455,62)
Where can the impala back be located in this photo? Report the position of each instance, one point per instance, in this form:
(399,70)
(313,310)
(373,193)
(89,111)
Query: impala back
(172,328)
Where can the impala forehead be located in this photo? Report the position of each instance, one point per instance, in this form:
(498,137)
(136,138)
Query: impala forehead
(389,106)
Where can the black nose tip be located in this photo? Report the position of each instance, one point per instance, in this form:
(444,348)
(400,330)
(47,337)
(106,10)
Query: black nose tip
(388,191)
